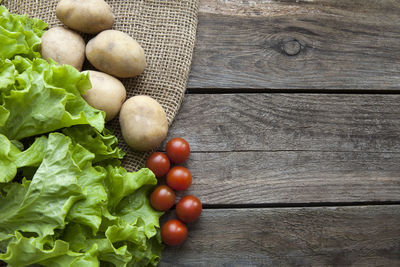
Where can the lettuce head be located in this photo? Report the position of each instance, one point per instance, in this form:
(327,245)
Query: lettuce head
(65,199)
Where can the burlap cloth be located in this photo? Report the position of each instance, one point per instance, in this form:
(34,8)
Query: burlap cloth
(166,29)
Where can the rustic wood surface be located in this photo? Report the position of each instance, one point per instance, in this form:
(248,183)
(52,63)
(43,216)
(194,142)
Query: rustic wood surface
(322,236)
(294,177)
(289,173)
(292,148)
(318,45)
(293,117)
(290,122)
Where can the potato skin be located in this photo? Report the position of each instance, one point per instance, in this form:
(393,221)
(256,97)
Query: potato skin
(88,16)
(63,46)
(107,93)
(116,53)
(143,123)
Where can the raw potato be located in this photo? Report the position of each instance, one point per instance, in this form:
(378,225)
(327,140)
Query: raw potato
(143,123)
(88,16)
(63,46)
(107,93)
(116,53)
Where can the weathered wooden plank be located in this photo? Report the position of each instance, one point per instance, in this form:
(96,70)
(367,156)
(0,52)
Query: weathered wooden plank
(292,148)
(256,8)
(321,44)
(288,122)
(323,236)
(294,177)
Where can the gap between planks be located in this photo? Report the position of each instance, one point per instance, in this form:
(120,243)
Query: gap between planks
(299,205)
(199,91)
(283,150)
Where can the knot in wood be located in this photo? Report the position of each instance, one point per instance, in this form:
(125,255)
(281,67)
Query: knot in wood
(291,47)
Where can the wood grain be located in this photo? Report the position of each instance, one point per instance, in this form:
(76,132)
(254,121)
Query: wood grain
(266,178)
(324,236)
(297,7)
(292,148)
(339,45)
(289,122)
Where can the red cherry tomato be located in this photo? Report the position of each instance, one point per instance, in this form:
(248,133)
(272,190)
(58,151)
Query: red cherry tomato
(173,232)
(158,163)
(178,150)
(179,178)
(188,209)
(162,198)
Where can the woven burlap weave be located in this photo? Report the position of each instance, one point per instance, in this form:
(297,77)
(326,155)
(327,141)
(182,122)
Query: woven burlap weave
(166,29)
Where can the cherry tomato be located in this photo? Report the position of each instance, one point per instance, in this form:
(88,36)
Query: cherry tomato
(158,163)
(179,178)
(178,150)
(162,198)
(188,209)
(173,232)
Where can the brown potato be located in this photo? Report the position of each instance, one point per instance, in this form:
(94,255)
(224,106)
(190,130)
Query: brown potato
(107,93)
(88,16)
(63,46)
(116,53)
(143,123)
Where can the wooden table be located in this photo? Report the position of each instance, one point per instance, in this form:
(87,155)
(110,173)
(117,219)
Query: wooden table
(293,116)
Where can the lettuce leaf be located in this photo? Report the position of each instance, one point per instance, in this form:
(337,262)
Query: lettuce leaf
(44,97)
(121,183)
(34,155)
(12,158)
(88,211)
(136,209)
(8,154)
(23,251)
(41,205)
(103,145)
(74,213)
(19,35)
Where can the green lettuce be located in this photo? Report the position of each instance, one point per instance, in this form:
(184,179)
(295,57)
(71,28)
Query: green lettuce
(41,205)
(19,35)
(46,96)
(12,158)
(75,212)
(103,145)
(65,199)
(8,154)
(24,251)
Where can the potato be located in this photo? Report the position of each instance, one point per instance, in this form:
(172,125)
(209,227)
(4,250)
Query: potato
(88,16)
(143,123)
(107,93)
(116,53)
(63,46)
